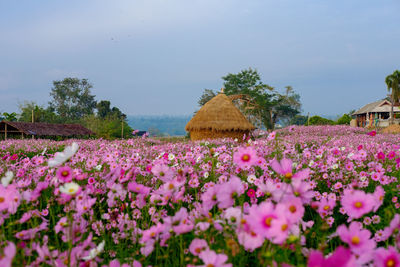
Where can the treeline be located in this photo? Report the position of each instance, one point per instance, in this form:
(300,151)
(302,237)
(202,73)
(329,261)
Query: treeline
(318,120)
(72,102)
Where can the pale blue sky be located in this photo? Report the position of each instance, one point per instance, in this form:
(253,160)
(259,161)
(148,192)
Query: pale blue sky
(157,56)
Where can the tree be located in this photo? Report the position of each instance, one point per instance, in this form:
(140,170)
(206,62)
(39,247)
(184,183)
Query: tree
(298,120)
(40,114)
(345,119)
(206,96)
(317,120)
(104,110)
(393,85)
(9,116)
(72,99)
(259,102)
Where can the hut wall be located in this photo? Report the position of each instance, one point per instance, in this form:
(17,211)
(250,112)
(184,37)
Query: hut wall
(209,134)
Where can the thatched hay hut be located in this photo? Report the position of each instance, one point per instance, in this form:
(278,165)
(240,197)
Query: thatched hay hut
(218,118)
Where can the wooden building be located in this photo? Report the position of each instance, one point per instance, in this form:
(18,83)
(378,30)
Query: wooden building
(376,114)
(40,129)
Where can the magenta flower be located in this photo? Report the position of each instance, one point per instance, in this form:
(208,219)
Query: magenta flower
(372,133)
(245,157)
(339,258)
(285,168)
(357,203)
(357,238)
(292,208)
(163,172)
(260,218)
(197,246)
(228,191)
(9,253)
(210,258)
(387,257)
(64,174)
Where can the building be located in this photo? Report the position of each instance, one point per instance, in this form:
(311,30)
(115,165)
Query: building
(218,118)
(376,114)
(40,129)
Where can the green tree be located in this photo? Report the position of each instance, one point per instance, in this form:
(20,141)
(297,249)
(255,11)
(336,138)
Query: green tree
(103,108)
(298,120)
(206,96)
(40,114)
(72,99)
(9,116)
(393,85)
(345,119)
(109,127)
(317,120)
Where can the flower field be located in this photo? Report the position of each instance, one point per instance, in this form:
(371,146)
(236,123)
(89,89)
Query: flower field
(301,196)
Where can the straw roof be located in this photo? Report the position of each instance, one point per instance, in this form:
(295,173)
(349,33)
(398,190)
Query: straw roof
(219,114)
(45,129)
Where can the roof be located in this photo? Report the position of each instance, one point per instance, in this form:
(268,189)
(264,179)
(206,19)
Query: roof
(219,114)
(377,106)
(43,129)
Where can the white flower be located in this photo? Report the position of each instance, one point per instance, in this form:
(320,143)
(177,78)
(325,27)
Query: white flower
(294,165)
(61,157)
(5,181)
(206,143)
(251,178)
(69,188)
(171,156)
(311,163)
(343,148)
(95,251)
(98,167)
(44,151)
(363,178)
(206,174)
(235,140)
(335,166)
(350,155)
(218,165)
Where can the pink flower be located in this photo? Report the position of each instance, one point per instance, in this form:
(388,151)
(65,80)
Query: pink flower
(197,246)
(285,168)
(325,206)
(293,209)
(387,257)
(339,258)
(379,195)
(228,191)
(357,203)
(9,253)
(357,238)
(163,172)
(372,133)
(251,193)
(245,157)
(64,174)
(260,218)
(210,258)
(9,198)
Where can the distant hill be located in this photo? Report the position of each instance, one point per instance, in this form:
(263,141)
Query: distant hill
(160,125)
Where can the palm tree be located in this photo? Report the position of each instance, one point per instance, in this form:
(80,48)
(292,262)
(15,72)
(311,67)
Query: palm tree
(393,84)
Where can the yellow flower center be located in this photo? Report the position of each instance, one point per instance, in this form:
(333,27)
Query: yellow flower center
(292,209)
(71,190)
(326,207)
(64,173)
(171,186)
(246,157)
(288,175)
(355,240)
(210,265)
(268,221)
(2,199)
(284,227)
(358,204)
(390,263)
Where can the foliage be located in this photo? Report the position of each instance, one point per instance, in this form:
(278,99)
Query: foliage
(298,120)
(109,127)
(261,103)
(345,119)
(40,114)
(317,120)
(104,110)
(8,116)
(72,99)
(393,85)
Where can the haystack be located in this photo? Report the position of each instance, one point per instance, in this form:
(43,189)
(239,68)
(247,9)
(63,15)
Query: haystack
(218,118)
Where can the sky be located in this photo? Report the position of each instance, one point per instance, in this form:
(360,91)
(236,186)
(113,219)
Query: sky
(156,57)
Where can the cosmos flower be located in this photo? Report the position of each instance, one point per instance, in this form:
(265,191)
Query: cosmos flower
(64,174)
(339,258)
(210,258)
(357,238)
(357,203)
(245,157)
(70,188)
(5,181)
(197,246)
(285,168)
(387,257)
(61,157)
